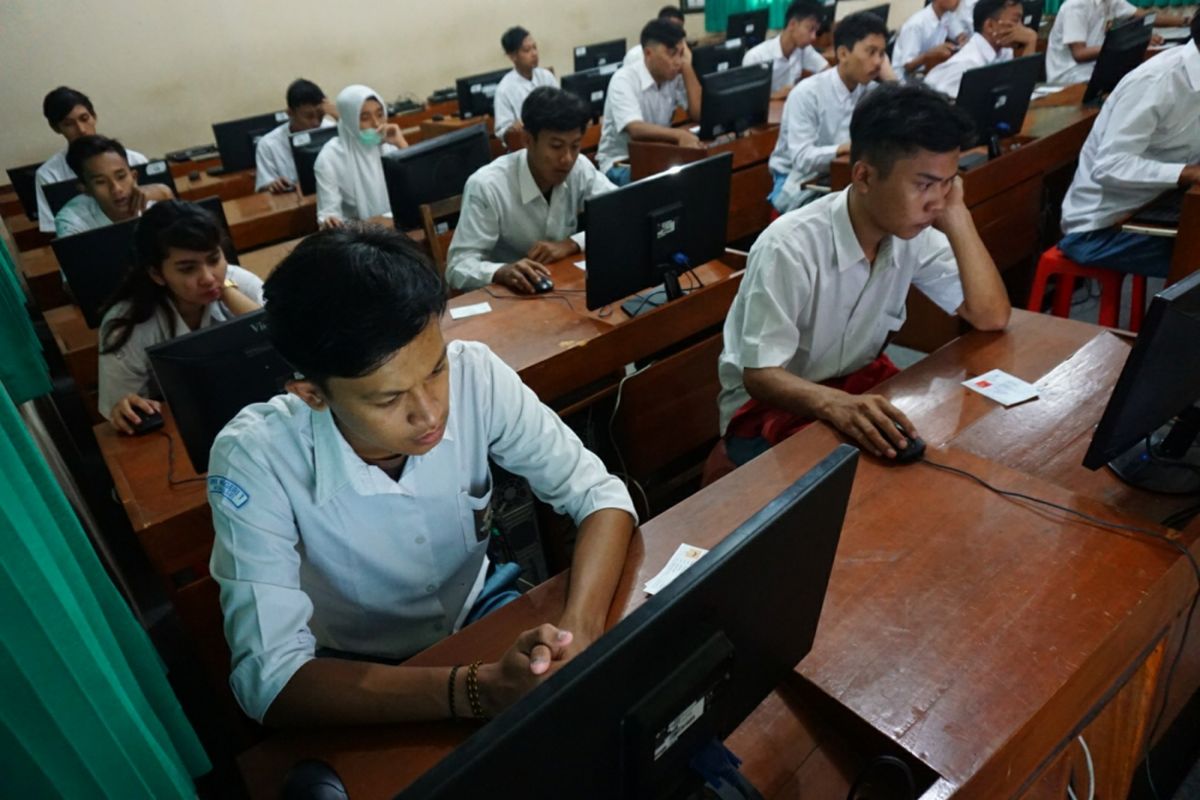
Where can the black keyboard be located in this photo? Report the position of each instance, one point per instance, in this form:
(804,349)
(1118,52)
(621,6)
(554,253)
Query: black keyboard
(197,153)
(1164,211)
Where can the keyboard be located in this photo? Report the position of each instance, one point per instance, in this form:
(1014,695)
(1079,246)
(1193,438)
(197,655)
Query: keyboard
(198,153)
(1164,211)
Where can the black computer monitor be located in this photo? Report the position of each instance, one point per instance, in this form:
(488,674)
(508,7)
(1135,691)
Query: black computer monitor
(591,86)
(717,58)
(749,26)
(1123,50)
(997,96)
(1147,435)
(477,92)
(880,11)
(677,675)
(735,100)
(156,171)
(589,56)
(433,170)
(60,193)
(1032,13)
(306,146)
(236,140)
(24,183)
(209,375)
(653,230)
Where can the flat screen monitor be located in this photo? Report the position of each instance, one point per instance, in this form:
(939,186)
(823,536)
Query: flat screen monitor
(654,229)
(1123,50)
(477,92)
(24,183)
(589,56)
(1032,13)
(591,86)
(735,100)
(236,139)
(997,96)
(433,170)
(306,146)
(718,58)
(677,675)
(880,11)
(749,26)
(62,192)
(1148,431)
(209,375)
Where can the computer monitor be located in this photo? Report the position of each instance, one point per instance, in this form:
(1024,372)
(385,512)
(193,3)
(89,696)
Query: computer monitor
(654,229)
(156,171)
(880,11)
(1123,50)
(997,96)
(209,375)
(477,92)
(749,26)
(236,140)
(718,57)
(60,193)
(24,183)
(1147,435)
(1032,13)
(433,170)
(590,56)
(677,675)
(735,100)
(306,146)
(591,86)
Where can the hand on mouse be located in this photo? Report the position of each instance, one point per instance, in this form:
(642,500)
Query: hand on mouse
(280,186)
(868,419)
(520,276)
(549,252)
(125,414)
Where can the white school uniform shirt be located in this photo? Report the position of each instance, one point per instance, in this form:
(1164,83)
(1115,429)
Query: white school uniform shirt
(55,170)
(1084,21)
(785,71)
(1147,131)
(811,302)
(350,183)
(963,20)
(947,76)
(127,371)
(273,155)
(316,548)
(923,31)
(504,213)
(511,93)
(634,96)
(635,56)
(815,120)
(81,213)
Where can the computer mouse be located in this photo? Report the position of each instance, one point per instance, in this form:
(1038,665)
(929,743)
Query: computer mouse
(150,422)
(313,779)
(437,117)
(543,285)
(914,452)
(194,175)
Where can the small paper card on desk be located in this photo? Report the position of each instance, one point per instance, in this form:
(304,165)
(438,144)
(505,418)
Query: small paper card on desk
(685,556)
(1005,389)
(470,311)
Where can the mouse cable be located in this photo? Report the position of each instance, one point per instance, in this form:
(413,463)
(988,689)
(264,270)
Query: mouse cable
(875,766)
(171,479)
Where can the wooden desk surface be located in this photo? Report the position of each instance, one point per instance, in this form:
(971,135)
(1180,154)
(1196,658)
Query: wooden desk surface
(258,219)
(227,187)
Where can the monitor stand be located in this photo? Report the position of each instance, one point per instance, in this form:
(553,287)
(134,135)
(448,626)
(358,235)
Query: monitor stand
(1171,463)
(718,766)
(653,298)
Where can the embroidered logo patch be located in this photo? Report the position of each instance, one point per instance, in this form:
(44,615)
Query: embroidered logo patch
(235,494)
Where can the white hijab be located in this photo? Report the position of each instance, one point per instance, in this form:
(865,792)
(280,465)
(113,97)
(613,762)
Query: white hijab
(361,166)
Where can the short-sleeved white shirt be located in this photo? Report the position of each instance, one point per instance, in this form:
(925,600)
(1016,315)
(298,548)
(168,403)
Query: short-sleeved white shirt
(1083,21)
(511,93)
(785,71)
(947,76)
(923,31)
(55,170)
(634,96)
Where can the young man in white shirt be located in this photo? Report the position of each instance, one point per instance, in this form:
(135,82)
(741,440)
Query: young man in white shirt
(70,114)
(815,126)
(1078,34)
(825,285)
(1146,141)
(521,212)
(274,166)
(791,53)
(109,188)
(352,513)
(643,96)
(927,39)
(526,75)
(669,14)
(999,31)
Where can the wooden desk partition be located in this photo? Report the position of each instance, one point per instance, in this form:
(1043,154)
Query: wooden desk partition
(227,187)
(262,218)
(1186,257)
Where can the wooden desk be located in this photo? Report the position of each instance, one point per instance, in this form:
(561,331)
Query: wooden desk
(25,233)
(977,635)
(258,219)
(40,268)
(431,128)
(1186,257)
(180,169)
(227,187)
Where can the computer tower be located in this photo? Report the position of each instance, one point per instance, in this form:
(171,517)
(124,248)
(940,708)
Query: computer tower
(517,538)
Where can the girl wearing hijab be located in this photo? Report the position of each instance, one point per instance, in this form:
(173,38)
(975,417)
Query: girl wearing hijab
(349,169)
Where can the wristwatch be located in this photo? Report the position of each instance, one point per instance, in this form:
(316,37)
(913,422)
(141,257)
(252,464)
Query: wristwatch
(230,283)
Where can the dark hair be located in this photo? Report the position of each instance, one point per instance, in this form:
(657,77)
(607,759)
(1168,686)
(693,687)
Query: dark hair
(345,300)
(548,108)
(858,26)
(513,38)
(171,223)
(990,9)
(1196,30)
(57,105)
(658,31)
(801,10)
(85,147)
(671,12)
(302,92)
(894,121)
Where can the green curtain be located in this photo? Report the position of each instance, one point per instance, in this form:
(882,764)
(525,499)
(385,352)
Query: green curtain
(22,369)
(716,12)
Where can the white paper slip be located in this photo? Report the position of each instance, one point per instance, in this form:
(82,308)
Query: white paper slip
(582,265)
(469,311)
(1005,389)
(685,556)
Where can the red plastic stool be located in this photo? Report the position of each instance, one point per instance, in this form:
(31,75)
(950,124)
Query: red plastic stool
(1053,262)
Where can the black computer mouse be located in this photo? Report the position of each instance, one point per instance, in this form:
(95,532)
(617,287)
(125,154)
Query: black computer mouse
(543,285)
(313,779)
(914,452)
(194,175)
(151,421)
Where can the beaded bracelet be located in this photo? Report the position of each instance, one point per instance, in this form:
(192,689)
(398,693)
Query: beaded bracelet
(473,690)
(450,690)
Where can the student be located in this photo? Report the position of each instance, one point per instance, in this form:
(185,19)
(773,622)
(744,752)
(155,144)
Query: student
(109,188)
(307,108)
(349,168)
(998,30)
(815,125)
(642,98)
(526,75)
(669,14)
(1078,33)
(926,39)
(825,286)
(1146,141)
(520,212)
(791,53)
(179,282)
(353,513)
(70,114)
